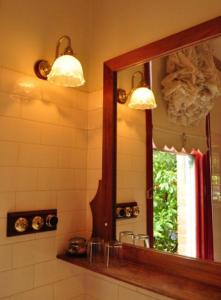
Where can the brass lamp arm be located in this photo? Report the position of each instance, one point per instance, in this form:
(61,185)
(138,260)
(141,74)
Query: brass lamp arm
(67,50)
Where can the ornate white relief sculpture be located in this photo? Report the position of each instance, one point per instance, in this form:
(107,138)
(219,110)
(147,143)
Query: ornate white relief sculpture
(191,84)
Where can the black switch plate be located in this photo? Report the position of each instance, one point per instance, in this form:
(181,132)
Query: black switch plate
(28,216)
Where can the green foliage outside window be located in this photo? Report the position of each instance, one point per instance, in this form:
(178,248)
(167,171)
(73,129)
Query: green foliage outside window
(165,201)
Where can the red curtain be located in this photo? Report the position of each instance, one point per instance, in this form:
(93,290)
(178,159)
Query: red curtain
(204,232)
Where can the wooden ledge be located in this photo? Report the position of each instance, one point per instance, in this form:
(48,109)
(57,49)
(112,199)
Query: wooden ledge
(151,278)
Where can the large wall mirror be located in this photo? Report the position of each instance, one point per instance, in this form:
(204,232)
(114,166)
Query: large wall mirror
(187,87)
(160,160)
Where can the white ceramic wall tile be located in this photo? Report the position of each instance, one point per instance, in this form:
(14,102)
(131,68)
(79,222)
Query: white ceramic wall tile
(152,294)
(72,221)
(52,135)
(71,200)
(5,257)
(96,284)
(66,178)
(29,132)
(100,288)
(61,179)
(8,154)
(124,194)
(72,117)
(35,200)
(67,116)
(16,281)
(95,118)
(80,138)
(93,177)
(95,100)
(94,138)
(59,95)
(13,178)
(7,203)
(81,101)
(45,292)
(68,137)
(47,179)
(53,271)
(25,179)
(37,120)
(38,156)
(124,162)
(32,252)
(9,106)
(72,158)
(41,111)
(80,179)
(68,289)
(138,163)
(125,293)
(81,120)
(94,158)
(19,130)
(19,84)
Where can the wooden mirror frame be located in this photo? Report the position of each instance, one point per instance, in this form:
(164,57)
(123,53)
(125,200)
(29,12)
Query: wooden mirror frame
(103,204)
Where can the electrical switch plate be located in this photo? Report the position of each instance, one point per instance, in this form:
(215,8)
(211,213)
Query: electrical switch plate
(26,222)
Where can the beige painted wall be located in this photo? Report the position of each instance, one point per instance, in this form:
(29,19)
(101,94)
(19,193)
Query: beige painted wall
(122,25)
(29,30)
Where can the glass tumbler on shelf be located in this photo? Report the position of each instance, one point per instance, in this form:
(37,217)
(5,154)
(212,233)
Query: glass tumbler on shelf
(141,240)
(95,250)
(113,253)
(126,237)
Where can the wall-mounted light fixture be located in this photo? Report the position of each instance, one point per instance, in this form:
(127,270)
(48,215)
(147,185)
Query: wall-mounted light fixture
(140,97)
(66,69)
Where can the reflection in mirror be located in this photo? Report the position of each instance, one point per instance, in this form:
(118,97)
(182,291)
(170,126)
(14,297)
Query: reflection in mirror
(187,87)
(131,160)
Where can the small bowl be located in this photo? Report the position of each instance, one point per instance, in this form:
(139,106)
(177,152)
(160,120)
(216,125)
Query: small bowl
(77,246)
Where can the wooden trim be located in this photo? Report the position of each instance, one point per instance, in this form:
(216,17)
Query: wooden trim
(185,38)
(149,159)
(109,148)
(204,271)
(199,33)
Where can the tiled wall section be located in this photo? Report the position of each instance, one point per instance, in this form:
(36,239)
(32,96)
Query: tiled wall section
(94,155)
(43,159)
(99,287)
(131,165)
(46,144)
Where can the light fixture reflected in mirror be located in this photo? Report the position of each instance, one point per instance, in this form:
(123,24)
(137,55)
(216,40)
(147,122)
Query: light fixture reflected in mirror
(66,70)
(140,97)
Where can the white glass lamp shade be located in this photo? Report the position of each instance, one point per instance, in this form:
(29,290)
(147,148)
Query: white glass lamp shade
(142,98)
(66,71)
